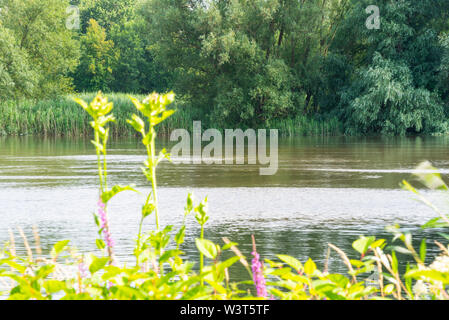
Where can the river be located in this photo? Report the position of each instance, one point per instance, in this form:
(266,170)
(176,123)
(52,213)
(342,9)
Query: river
(326,190)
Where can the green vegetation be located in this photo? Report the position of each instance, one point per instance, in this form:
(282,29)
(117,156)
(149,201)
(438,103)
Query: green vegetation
(38,52)
(241,63)
(62,117)
(161,273)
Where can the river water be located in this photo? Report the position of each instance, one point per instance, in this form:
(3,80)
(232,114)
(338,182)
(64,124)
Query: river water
(327,190)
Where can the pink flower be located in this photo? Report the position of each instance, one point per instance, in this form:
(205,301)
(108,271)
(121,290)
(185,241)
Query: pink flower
(83,270)
(258,276)
(104,225)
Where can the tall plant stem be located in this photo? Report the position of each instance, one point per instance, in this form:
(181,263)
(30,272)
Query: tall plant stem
(100,171)
(139,236)
(151,154)
(105,171)
(201,255)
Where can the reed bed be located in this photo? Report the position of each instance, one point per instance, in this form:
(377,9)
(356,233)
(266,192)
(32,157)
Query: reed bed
(63,117)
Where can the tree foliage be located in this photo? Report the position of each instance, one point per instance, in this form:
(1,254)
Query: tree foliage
(42,44)
(16,77)
(393,87)
(97,60)
(243,62)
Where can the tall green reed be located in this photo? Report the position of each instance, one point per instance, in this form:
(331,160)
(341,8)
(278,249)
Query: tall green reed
(60,116)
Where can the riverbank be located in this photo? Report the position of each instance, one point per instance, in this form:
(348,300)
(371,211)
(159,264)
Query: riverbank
(63,117)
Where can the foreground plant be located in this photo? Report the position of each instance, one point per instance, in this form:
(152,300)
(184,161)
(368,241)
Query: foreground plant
(100,111)
(161,273)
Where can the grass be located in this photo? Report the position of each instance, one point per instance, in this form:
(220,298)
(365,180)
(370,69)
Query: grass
(63,117)
(307,126)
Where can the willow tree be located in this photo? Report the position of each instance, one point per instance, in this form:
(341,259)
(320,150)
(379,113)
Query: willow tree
(396,68)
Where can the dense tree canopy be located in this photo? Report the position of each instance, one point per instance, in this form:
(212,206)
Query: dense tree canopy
(43,50)
(98,58)
(394,84)
(242,62)
(16,77)
(245,61)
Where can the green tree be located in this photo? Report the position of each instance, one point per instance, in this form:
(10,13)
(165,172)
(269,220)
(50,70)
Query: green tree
(136,70)
(106,12)
(394,79)
(384,99)
(40,35)
(97,60)
(16,77)
(245,61)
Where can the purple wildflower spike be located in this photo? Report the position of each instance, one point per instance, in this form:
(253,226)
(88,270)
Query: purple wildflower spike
(258,277)
(83,270)
(105,228)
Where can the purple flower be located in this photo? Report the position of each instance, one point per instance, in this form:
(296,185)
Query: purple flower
(105,226)
(258,277)
(83,270)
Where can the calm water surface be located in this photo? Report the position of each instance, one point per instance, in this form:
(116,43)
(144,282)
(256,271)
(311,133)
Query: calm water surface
(327,190)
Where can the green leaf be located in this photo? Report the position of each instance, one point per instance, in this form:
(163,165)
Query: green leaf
(434,223)
(146,139)
(100,244)
(179,237)
(423,250)
(361,245)
(394,262)
(228,263)
(111,272)
(137,104)
(168,254)
(389,289)
(322,285)
(377,243)
(281,271)
(429,274)
(97,264)
(207,247)
(339,280)
(21,269)
(357,263)
(400,249)
(148,209)
(97,145)
(445,236)
(44,271)
(53,286)
(156,120)
(229,246)
(106,196)
(58,248)
(310,267)
(137,124)
(292,262)
(431,179)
